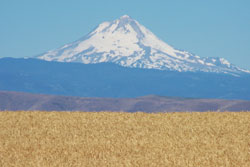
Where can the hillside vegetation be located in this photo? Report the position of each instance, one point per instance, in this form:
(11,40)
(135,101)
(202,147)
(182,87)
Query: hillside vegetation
(124,139)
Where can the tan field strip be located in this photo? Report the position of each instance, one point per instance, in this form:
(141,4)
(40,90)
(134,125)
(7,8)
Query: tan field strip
(124,139)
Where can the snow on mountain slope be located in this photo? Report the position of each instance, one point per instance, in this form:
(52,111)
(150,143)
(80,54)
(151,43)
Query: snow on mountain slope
(126,42)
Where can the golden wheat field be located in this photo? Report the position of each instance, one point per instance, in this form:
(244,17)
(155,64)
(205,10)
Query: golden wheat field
(124,139)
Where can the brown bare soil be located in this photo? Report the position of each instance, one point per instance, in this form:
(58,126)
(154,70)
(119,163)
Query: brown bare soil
(124,139)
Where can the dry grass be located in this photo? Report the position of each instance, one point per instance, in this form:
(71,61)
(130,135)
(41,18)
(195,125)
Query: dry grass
(124,139)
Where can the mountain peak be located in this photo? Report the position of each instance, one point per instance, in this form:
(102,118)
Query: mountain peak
(123,21)
(126,42)
(125,17)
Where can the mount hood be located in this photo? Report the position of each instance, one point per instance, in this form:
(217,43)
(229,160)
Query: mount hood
(128,43)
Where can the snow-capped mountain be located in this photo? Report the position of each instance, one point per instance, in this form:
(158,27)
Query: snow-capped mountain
(126,42)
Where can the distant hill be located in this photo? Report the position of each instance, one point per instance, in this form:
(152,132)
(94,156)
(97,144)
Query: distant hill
(112,80)
(24,101)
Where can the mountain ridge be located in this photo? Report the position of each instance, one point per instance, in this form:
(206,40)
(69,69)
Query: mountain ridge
(126,42)
(18,101)
(113,80)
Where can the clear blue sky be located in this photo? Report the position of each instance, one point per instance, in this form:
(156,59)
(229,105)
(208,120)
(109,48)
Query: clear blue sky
(214,28)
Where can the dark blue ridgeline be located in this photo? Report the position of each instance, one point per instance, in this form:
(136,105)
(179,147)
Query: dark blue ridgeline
(111,80)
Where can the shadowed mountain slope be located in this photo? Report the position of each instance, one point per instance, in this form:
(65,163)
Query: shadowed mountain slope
(112,80)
